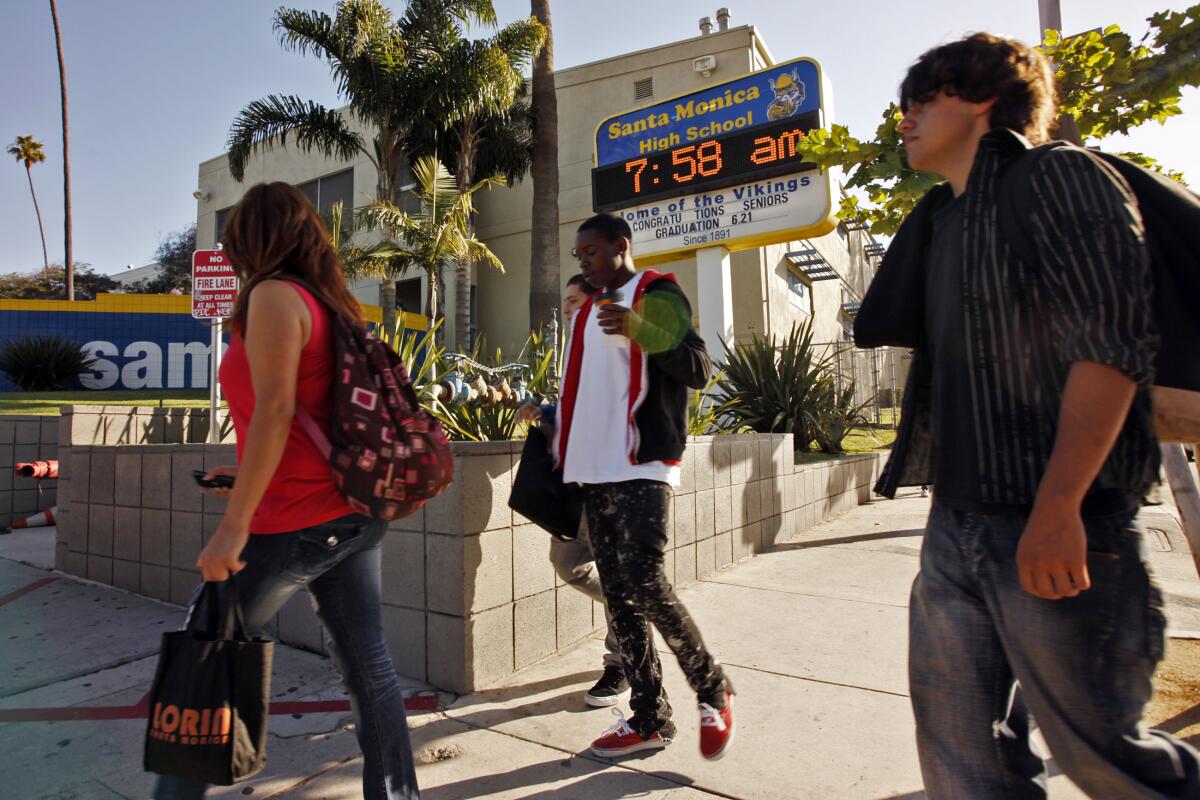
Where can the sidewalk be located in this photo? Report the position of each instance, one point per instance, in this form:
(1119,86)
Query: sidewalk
(813,634)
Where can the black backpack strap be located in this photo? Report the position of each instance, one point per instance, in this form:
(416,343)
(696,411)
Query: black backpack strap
(1015,201)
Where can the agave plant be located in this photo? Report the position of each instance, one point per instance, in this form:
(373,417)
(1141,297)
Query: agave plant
(705,409)
(420,352)
(832,414)
(768,385)
(44,363)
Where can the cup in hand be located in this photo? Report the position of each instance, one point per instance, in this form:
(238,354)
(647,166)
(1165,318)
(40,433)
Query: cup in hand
(605,298)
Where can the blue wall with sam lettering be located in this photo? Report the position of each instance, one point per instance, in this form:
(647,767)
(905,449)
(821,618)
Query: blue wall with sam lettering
(140,341)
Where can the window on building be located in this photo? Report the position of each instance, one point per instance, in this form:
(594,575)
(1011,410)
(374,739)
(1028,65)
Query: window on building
(799,293)
(643,88)
(408,296)
(222,218)
(329,190)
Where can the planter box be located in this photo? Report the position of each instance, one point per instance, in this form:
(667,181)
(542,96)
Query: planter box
(469,593)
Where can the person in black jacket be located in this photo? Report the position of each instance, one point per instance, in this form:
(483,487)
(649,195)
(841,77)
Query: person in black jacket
(1028,411)
(620,431)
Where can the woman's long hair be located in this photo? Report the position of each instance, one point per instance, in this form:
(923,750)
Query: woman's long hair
(275,232)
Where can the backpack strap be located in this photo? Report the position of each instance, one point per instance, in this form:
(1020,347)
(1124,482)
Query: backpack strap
(318,437)
(1015,200)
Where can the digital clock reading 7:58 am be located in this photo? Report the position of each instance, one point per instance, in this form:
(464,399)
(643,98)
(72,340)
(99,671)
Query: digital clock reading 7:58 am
(759,152)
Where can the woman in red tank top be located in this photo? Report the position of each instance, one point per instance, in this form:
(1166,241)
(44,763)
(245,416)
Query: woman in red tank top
(287,526)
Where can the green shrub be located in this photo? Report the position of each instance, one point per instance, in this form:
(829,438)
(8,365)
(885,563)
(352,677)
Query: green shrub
(788,387)
(769,386)
(706,409)
(832,414)
(44,363)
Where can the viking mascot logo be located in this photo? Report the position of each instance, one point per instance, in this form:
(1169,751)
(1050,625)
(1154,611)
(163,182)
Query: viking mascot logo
(789,95)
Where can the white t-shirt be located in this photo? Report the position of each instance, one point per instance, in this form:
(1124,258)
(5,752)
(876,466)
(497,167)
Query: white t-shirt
(601,436)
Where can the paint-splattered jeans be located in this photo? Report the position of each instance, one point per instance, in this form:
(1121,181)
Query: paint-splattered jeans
(1083,664)
(628,525)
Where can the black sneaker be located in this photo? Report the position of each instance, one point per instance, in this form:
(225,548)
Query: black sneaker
(611,689)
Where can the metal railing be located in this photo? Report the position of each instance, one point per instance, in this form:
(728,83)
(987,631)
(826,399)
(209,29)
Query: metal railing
(877,376)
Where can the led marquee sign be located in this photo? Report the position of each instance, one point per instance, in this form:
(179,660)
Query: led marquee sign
(718,167)
(760,152)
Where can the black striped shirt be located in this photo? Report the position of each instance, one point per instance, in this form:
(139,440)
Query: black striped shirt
(1089,299)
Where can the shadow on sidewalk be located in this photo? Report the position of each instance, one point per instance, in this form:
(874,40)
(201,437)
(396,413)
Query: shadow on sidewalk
(866,537)
(506,694)
(601,782)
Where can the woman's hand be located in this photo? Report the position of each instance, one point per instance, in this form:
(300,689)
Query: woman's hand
(219,491)
(221,557)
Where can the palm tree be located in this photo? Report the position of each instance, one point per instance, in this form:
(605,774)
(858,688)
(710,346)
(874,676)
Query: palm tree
(69,261)
(504,150)
(372,56)
(471,81)
(437,235)
(30,151)
(544,244)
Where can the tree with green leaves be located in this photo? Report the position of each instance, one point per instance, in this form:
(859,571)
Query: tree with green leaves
(29,151)
(504,149)
(434,237)
(51,283)
(544,225)
(468,84)
(1106,82)
(174,257)
(374,58)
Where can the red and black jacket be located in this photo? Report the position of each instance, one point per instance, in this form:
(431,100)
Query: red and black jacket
(658,386)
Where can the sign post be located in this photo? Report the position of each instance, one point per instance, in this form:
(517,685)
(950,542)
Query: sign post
(214,294)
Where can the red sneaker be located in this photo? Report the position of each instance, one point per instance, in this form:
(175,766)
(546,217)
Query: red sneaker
(621,740)
(716,728)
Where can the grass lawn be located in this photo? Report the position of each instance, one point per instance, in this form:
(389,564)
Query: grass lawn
(865,439)
(869,438)
(49,403)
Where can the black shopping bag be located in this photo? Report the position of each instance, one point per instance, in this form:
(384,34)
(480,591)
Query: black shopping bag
(538,491)
(209,702)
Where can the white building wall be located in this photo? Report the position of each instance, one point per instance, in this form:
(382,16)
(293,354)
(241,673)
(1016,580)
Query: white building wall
(586,95)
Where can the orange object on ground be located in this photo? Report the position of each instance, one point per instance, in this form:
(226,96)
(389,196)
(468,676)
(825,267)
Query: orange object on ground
(38,520)
(38,469)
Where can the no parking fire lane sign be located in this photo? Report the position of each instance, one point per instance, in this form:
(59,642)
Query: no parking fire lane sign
(214,285)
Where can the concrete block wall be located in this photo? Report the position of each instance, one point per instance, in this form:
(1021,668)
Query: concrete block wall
(25,438)
(468,590)
(117,425)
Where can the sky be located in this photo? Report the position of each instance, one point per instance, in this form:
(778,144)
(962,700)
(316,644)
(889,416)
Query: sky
(154,84)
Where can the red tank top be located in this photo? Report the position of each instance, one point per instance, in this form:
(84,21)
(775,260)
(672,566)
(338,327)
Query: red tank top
(302,492)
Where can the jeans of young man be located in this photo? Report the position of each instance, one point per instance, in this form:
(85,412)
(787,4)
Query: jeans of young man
(575,563)
(628,523)
(340,564)
(1084,666)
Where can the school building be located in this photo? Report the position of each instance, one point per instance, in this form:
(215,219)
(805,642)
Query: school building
(772,287)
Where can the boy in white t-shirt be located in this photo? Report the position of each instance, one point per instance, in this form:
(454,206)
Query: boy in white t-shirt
(621,428)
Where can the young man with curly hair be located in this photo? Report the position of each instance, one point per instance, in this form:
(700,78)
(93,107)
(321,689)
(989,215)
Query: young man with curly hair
(1028,412)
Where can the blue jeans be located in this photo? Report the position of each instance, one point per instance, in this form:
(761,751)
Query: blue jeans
(1083,666)
(340,563)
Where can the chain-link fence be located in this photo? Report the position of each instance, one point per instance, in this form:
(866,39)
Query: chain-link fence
(877,376)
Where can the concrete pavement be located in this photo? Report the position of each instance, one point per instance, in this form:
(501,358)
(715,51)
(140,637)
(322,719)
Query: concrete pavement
(813,634)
